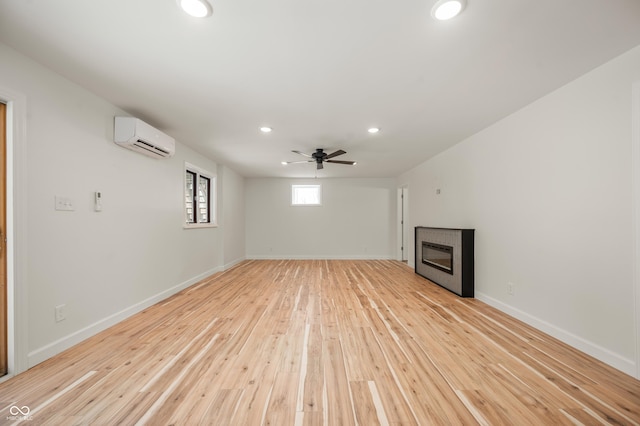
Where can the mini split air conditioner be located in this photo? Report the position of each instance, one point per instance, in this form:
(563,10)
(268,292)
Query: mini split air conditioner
(136,135)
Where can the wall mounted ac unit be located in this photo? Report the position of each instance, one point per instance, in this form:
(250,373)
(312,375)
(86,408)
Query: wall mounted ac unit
(133,133)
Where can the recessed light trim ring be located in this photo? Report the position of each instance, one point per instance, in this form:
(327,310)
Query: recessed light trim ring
(446,9)
(196,8)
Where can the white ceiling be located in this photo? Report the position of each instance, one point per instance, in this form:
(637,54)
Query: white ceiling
(320,72)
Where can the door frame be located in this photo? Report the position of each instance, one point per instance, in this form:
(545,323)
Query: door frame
(16,211)
(635,184)
(3,250)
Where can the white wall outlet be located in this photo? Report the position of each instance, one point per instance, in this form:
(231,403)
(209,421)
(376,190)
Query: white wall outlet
(510,289)
(61,312)
(64,204)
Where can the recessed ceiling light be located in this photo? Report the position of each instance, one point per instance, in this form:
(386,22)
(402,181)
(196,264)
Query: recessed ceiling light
(196,8)
(284,163)
(266,129)
(447,9)
(373,130)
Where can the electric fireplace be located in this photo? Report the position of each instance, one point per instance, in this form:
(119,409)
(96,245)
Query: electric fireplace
(445,257)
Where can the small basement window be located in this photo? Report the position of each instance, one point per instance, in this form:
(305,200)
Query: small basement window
(199,197)
(306,195)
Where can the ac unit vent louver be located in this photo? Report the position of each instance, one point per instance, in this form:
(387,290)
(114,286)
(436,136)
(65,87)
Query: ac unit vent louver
(136,135)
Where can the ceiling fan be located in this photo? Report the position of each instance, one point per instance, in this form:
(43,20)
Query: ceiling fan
(320,157)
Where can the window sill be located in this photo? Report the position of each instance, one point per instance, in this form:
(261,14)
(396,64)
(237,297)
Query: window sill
(199,225)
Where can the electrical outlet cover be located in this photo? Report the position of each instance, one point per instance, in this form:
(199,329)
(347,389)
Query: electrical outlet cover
(60,312)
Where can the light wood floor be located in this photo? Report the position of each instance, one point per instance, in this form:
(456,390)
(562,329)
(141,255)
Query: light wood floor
(321,342)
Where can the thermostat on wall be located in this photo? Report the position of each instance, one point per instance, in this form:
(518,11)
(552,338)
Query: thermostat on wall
(98,201)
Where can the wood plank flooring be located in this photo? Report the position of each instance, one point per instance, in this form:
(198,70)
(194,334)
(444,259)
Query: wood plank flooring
(303,342)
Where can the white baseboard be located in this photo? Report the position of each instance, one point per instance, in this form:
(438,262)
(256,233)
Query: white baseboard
(41,354)
(616,361)
(318,257)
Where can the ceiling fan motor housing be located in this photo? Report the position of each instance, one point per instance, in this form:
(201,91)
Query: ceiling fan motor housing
(319,155)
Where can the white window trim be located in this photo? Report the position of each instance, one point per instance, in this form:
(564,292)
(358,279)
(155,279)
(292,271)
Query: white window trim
(213,205)
(315,185)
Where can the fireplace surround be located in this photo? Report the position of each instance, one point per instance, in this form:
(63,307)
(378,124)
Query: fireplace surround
(445,256)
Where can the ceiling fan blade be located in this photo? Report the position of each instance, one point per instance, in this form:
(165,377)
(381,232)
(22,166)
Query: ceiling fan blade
(302,153)
(320,166)
(303,161)
(341,162)
(335,154)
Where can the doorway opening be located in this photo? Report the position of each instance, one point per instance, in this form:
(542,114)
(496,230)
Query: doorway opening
(403,224)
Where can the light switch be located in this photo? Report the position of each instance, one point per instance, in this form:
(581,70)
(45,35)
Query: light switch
(64,204)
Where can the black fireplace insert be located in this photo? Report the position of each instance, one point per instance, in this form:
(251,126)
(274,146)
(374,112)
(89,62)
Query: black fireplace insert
(438,256)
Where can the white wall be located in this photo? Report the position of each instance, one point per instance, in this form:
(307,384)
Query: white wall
(356,219)
(233,226)
(549,192)
(103,266)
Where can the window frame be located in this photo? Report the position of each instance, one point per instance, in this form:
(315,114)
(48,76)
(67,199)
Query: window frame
(212,197)
(314,185)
